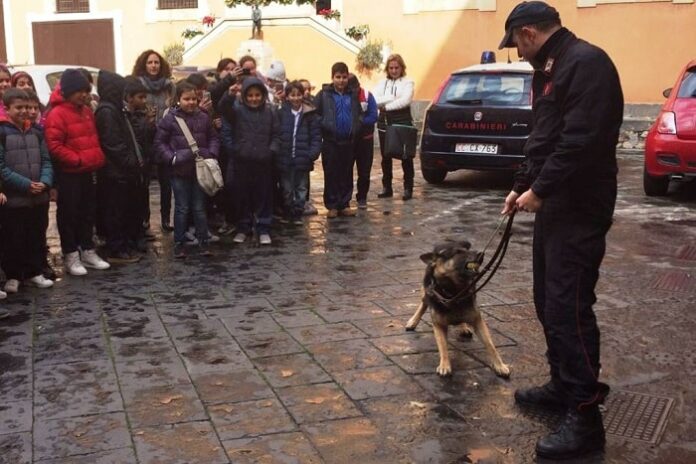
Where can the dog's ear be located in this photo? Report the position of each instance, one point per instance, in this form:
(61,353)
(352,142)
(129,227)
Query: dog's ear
(427,258)
(465,244)
(479,258)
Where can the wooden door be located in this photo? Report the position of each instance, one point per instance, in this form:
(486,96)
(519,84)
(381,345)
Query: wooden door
(83,43)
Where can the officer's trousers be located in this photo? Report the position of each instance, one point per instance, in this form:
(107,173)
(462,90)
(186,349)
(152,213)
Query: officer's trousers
(568,250)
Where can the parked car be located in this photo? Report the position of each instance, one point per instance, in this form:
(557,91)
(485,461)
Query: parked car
(182,72)
(670,148)
(479,119)
(46,76)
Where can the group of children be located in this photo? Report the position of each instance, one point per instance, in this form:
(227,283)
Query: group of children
(268,131)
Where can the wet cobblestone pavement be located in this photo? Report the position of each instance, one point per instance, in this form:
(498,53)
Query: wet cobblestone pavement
(297,353)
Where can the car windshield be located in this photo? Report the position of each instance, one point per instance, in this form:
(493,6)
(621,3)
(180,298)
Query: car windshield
(495,89)
(54,77)
(687,89)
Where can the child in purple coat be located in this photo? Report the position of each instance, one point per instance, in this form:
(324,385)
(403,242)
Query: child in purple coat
(175,153)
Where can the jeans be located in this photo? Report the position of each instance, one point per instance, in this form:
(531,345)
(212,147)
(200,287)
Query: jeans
(295,186)
(76,211)
(189,199)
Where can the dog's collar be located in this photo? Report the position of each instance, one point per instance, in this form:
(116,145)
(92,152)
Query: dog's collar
(448,302)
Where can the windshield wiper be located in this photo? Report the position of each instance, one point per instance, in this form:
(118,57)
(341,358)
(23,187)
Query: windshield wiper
(465,101)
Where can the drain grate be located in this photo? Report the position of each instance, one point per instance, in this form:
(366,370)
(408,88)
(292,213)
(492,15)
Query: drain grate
(687,252)
(675,281)
(626,414)
(637,416)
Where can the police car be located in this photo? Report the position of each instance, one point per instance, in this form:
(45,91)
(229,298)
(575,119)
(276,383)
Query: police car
(479,119)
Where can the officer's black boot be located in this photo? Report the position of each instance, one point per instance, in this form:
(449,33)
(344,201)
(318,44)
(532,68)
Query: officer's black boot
(408,194)
(547,396)
(581,433)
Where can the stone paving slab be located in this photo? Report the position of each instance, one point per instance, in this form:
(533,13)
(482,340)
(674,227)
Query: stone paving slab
(281,448)
(16,417)
(70,390)
(80,435)
(15,448)
(179,444)
(119,456)
(249,419)
(317,403)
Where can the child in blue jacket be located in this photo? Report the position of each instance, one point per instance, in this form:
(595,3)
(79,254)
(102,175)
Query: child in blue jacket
(300,134)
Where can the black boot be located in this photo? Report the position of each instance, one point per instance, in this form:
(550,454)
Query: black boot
(386,193)
(547,396)
(581,433)
(408,194)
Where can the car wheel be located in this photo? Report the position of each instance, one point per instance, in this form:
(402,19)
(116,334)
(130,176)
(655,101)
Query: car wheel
(655,186)
(434,176)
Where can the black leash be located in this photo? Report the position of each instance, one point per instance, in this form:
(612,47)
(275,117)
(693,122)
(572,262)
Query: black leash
(494,263)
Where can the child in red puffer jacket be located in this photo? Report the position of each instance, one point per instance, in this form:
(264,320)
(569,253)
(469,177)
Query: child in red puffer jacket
(71,136)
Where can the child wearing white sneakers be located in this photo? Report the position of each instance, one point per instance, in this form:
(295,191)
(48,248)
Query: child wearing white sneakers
(72,139)
(27,175)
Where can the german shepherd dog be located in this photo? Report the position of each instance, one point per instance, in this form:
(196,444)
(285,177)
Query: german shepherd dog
(451,269)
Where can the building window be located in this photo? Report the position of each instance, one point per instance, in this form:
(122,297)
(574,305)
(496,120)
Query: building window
(176,4)
(72,6)
(323,5)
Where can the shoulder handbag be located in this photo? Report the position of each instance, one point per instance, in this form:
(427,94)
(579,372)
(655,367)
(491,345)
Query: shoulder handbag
(208,173)
(400,141)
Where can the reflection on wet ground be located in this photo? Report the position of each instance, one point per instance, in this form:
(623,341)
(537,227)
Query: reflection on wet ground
(296,353)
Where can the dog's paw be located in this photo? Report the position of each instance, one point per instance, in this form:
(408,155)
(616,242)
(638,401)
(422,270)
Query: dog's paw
(502,371)
(411,326)
(444,370)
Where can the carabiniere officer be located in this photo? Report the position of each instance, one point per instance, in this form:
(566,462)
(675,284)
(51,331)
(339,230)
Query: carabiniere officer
(569,180)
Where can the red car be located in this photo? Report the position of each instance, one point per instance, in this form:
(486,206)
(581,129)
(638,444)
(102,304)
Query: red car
(670,149)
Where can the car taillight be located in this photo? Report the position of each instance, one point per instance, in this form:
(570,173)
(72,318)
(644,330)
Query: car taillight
(440,90)
(667,123)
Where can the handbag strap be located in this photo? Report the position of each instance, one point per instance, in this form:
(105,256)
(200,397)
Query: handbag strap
(187,134)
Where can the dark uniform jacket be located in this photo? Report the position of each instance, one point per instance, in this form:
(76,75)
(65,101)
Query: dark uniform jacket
(577,113)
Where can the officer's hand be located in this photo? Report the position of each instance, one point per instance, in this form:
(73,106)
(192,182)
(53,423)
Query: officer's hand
(510,203)
(3,199)
(529,202)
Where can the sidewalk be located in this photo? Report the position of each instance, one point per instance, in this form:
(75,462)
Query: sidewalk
(297,353)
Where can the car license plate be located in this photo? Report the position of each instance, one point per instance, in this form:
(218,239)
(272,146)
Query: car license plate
(485,148)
